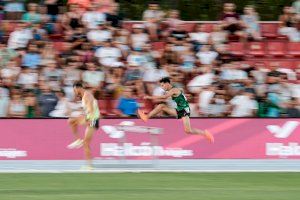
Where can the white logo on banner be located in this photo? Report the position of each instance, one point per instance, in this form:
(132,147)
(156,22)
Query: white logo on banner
(118,131)
(285,131)
(280,149)
(12,153)
(144,149)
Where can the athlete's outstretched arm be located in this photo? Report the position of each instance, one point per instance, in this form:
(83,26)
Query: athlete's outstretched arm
(162,97)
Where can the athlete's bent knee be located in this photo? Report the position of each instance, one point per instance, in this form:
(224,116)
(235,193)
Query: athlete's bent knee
(161,106)
(70,121)
(188,131)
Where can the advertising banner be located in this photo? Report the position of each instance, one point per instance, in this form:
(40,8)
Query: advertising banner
(47,139)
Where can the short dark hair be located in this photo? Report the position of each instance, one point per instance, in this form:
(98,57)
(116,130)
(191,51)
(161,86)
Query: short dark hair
(165,80)
(153,2)
(78,84)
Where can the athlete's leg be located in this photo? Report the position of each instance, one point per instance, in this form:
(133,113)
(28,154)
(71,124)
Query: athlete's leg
(162,107)
(89,132)
(156,110)
(189,130)
(74,123)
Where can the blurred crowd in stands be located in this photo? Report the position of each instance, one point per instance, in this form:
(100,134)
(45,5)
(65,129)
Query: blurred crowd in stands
(46,47)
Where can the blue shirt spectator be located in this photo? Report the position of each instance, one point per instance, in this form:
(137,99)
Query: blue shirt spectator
(31,59)
(14,6)
(127,104)
(274,111)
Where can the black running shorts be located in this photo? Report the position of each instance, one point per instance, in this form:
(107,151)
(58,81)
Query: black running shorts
(183,113)
(94,123)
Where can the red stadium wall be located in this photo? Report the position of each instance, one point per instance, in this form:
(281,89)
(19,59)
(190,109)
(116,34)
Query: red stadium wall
(234,138)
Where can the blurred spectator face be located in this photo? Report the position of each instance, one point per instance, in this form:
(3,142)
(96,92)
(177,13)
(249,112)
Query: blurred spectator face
(200,28)
(222,48)
(287,10)
(86,46)
(45,88)
(274,66)
(42,10)
(259,65)
(180,27)
(73,8)
(101,26)
(52,65)
(249,10)
(93,7)
(12,63)
(49,45)
(67,46)
(2,46)
(127,92)
(153,6)
(293,103)
(174,14)
(16,96)
(138,30)
(229,7)
(217,28)
(21,26)
(60,94)
(30,94)
(205,48)
(32,7)
(115,7)
(91,66)
(32,48)
(107,44)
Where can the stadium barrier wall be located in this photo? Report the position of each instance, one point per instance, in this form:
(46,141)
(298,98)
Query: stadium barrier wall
(246,138)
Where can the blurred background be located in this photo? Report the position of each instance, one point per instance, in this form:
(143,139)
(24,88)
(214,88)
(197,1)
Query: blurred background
(232,58)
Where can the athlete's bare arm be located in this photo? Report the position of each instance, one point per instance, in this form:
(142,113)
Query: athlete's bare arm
(172,92)
(88,99)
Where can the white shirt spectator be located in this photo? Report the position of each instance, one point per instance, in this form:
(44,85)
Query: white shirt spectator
(154,75)
(4,102)
(93,78)
(259,75)
(76,109)
(217,109)
(19,38)
(295,88)
(10,72)
(28,79)
(243,106)
(204,100)
(200,81)
(179,48)
(153,14)
(93,18)
(136,59)
(139,40)
(99,35)
(14,7)
(201,37)
(233,74)
(218,37)
(207,57)
(291,75)
(108,56)
(61,108)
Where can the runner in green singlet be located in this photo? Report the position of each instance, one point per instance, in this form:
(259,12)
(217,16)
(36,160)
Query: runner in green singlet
(182,110)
